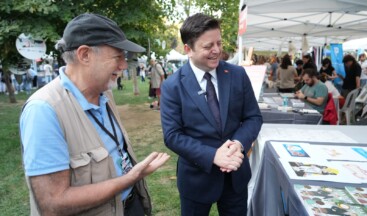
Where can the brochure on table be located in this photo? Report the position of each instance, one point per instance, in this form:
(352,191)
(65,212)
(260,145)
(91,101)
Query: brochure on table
(332,163)
(321,200)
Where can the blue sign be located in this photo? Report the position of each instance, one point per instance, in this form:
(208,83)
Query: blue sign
(336,53)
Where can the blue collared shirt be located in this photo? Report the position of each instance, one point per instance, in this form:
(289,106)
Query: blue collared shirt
(45,148)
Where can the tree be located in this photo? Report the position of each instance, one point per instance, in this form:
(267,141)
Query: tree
(46,19)
(226,10)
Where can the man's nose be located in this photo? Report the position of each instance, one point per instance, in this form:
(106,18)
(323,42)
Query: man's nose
(122,65)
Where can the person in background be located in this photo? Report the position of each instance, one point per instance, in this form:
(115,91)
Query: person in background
(2,81)
(77,156)
(309,63)
(314,92)
(327,69)
(141,71)
(299,67)
(273,71)
(287,75)
(353,71)
(15,83)
(332,89)
(157,77)
(29,75)
(330,86)
(363,63)
(48,71)
(210,117)
(119,82)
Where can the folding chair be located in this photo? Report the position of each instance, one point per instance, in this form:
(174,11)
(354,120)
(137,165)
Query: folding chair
(349,106)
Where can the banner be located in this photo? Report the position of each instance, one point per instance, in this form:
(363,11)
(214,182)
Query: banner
(242,22)
(336,53)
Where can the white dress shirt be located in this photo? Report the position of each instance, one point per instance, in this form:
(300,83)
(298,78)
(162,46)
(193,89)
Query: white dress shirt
(199,74)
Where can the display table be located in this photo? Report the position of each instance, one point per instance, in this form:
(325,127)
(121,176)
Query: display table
(276,116)
(305,133)
(274,192)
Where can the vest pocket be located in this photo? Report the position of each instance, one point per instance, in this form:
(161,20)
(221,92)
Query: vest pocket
(90,167)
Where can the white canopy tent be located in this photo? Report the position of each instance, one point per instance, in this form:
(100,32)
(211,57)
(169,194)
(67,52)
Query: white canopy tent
(174,55)
(273,24)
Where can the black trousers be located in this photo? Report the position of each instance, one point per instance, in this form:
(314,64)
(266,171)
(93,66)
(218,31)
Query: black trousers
(229,204)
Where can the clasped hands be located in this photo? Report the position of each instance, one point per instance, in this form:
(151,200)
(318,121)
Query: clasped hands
(229,156)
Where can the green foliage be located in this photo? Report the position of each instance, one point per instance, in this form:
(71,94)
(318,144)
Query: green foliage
(46,19)
(228,12)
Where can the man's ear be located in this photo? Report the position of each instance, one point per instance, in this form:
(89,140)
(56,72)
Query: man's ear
(188,50)
(83,54)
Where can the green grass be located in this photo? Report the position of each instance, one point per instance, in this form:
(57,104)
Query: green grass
(146,137)
(13,190)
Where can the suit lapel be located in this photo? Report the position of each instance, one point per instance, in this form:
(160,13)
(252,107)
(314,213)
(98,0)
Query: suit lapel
(224,83)
(192,87)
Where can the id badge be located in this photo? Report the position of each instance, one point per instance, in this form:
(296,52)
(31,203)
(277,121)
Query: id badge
(125,163)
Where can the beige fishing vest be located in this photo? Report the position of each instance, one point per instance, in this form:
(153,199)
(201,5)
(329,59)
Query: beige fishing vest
(89,159)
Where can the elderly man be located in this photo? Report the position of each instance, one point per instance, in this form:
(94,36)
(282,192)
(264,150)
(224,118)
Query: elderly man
(157,77)
(77,155)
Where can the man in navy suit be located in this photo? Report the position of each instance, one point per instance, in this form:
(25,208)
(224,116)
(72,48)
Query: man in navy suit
(210,134)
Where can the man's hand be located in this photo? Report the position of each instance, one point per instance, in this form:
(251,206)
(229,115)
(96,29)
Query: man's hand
(149,165)
(229,156)
(300,95)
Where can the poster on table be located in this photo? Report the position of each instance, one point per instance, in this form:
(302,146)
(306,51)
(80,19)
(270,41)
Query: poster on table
(322,200)
(359,194)
(356,170)
(347,153)
(291,150)
(318,170)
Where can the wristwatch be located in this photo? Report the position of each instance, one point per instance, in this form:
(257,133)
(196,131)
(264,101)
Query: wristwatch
(305,98)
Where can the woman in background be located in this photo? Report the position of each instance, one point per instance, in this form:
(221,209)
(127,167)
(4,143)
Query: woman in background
(287,75)
(327,70)
(353,71)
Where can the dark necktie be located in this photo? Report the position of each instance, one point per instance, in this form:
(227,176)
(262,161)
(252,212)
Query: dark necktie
(212,99)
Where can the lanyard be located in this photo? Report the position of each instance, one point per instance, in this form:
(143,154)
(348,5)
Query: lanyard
(114,135)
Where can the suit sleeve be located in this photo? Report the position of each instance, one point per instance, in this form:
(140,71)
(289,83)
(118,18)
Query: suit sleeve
(251,117)
(175,138)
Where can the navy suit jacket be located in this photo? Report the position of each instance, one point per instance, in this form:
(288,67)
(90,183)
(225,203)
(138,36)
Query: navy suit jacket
(189,129)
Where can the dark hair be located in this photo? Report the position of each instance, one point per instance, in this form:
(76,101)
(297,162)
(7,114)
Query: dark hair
(286,61)
(308,56)
(348,58)
(326,61)
(195,25)
(299,62)
(310,72)
(310,63)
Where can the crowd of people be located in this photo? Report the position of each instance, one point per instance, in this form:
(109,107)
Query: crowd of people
(302,77)
(28,78)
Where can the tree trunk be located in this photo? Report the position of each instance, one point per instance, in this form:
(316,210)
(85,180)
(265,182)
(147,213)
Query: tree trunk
(10,88)
(135,81)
